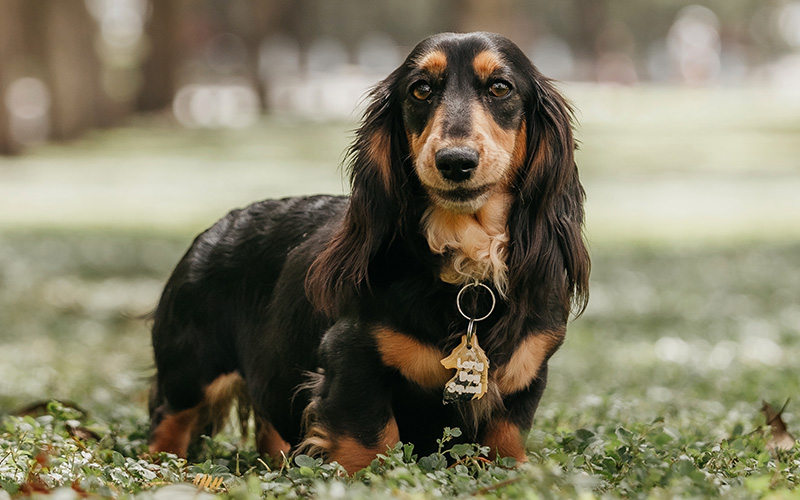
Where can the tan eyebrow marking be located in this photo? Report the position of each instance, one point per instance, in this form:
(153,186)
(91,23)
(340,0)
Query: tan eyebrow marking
(486,63)
(434,62)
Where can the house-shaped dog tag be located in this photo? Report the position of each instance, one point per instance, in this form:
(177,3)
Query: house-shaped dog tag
(472,372)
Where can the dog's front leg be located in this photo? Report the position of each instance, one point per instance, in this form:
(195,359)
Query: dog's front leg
(507,432)
(350,419)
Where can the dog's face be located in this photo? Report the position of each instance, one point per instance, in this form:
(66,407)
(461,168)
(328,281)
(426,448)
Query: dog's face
(463,111)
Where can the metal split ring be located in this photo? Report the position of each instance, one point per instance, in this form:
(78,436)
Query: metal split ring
(473,285)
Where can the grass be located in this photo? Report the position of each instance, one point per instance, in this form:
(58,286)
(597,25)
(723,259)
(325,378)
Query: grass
(693,319)
(656,392)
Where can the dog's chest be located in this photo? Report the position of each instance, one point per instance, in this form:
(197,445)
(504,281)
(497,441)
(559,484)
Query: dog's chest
(474,246)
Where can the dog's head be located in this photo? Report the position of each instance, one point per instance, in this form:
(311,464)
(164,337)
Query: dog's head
(465,121)
(463,108)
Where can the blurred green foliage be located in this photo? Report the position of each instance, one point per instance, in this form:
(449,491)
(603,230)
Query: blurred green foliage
(656,391)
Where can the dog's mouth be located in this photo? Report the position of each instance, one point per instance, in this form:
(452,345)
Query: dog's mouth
(462,195)
(461,200)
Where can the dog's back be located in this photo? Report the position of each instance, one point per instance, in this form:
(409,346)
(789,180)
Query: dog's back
(213,324)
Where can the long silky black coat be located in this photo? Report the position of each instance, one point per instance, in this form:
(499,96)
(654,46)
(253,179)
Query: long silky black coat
(334,311)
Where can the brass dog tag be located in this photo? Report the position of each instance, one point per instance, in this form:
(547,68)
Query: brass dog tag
(472,372)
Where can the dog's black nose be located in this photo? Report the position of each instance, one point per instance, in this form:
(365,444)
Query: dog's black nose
(457,164)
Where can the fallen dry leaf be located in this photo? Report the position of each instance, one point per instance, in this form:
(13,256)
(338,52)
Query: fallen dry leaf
(81,432)
(39,408)
(208,482)
(781,438)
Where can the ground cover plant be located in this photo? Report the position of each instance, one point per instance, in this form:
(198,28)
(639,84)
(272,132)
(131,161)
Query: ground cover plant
(657,392)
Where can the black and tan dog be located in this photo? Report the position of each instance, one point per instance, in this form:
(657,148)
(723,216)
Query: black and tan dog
(463,179)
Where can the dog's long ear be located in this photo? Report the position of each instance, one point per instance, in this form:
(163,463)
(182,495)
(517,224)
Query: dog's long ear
(377,168)
(548,256)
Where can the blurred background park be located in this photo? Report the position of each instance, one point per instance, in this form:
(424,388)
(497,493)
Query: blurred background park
(127,126)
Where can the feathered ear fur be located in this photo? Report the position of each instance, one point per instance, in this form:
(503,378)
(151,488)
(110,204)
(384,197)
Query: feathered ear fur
(376,166)
(548,257)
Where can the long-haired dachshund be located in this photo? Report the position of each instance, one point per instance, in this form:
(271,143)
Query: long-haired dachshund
(432,296)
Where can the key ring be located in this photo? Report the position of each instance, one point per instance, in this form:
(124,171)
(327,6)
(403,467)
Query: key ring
(461,293)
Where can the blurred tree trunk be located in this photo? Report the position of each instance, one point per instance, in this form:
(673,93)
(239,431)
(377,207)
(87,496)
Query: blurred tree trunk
(266,17)
(300,22)
(160,68)
(7,146)
(73,67)
(21,55)
(33,13)
(9,23)
(590,20)
(483,15)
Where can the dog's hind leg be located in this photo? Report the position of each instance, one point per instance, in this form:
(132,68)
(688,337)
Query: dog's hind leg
(177,420)
(173,429)
(173,432)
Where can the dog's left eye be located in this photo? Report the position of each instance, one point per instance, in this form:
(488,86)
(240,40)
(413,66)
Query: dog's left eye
(500,89)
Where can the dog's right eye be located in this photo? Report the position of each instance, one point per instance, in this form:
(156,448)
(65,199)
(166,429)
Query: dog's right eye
(421,91)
